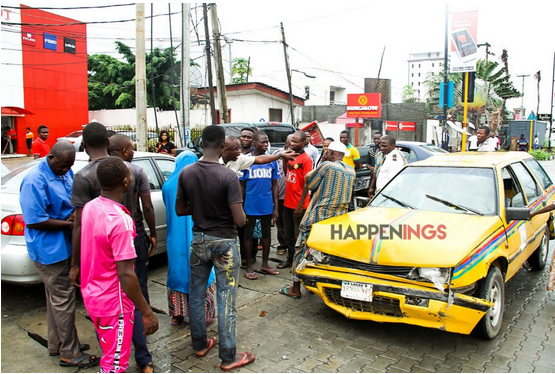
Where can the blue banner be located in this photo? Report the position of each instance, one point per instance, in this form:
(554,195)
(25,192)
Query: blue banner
(50,41)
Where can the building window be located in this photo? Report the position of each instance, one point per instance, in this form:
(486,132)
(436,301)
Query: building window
(275,115)
(419,83)
(418,74)
(412,83)
(332,97)
(413,66)
(418,65)
(412,74)
(433,64)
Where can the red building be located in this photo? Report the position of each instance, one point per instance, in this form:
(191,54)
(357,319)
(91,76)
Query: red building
(44,73)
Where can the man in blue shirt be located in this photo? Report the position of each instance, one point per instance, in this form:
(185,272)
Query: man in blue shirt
(45,195)
(259,184)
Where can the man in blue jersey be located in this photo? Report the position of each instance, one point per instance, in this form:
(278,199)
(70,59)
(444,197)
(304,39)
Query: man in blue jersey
(259,184)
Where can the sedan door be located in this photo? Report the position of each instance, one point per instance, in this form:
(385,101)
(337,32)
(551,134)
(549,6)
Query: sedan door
(156,180)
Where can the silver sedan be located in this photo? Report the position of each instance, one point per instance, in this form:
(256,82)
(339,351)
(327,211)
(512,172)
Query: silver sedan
(17,267)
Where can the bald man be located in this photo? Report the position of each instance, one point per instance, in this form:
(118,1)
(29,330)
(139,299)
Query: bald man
(45,196)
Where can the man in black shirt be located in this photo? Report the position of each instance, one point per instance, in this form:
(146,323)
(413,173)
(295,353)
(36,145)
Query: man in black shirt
(211,194)
(373,151)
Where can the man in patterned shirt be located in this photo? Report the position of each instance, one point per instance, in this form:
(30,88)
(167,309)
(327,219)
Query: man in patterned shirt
(331,184)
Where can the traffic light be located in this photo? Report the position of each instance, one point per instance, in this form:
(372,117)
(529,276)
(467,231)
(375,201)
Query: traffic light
(471,80)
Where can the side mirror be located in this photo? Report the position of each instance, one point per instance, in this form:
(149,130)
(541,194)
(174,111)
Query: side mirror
(518,214)
(190,144)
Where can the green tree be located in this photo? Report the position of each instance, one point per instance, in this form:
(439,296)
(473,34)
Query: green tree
(112,82)
(409,94)
(240,70)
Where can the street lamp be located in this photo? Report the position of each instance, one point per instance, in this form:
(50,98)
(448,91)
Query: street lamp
(291,91)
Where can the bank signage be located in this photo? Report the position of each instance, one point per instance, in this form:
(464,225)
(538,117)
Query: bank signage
(366,105)
(50,41)
(69,45)
(28,38)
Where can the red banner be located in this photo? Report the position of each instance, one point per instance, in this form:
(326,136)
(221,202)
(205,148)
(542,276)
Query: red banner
(407,126)
(367,105)
(27,37)
(315,133)
(390,126)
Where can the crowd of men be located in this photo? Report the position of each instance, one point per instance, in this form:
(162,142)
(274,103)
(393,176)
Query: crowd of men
(86,231)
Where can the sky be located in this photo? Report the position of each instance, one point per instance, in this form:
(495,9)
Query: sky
(345,37)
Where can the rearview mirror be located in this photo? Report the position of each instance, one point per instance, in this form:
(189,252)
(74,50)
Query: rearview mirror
(518,214)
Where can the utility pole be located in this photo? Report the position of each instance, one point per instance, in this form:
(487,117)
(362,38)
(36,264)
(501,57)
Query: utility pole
(140,78)
(185,65)
(444,143)
(220,78)
(209,65)
(291,108)
(522,97)
(551,110)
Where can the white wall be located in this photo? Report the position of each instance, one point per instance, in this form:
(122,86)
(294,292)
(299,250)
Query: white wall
(12,62)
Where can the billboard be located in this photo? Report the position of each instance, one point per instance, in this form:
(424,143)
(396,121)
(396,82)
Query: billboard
(464,33)
(50,41)
(366,105)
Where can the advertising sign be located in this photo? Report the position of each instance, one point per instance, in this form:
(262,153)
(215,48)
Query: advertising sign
(464,33)
(401,126)
(69,45)
(391,125)
(28,38)
(316,136)
(50,41)
(367,105)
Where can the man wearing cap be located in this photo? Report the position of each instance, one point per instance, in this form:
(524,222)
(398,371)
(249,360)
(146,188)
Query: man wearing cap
(331,184)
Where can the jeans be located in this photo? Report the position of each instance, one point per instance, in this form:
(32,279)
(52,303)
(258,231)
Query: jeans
(142,355)
(291,226)
(223,254)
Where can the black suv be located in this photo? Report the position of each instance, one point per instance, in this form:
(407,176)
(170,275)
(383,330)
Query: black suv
(277,134)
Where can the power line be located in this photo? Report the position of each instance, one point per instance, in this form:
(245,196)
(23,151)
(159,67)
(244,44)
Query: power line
(68,8)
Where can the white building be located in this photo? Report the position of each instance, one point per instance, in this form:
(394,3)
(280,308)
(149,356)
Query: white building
(419,66)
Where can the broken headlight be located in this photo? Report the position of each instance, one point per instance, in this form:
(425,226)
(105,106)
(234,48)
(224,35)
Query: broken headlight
(438,276)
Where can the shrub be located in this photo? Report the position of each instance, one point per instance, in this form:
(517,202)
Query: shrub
(540,154)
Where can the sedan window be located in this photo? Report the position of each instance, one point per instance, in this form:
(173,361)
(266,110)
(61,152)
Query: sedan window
(531,189)
(542,176)
(150,172)
(166,167)
(442,189)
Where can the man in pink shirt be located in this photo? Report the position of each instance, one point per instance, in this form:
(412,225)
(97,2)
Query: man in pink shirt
(109,285)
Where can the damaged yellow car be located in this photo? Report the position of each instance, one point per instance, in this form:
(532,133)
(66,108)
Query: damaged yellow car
(437,244)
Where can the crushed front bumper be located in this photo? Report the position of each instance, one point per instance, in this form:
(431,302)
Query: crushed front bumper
(397,302)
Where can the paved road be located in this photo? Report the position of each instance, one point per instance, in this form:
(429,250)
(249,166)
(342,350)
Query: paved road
(304,335)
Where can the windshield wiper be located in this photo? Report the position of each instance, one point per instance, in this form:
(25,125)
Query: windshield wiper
(453,205)
(398,201)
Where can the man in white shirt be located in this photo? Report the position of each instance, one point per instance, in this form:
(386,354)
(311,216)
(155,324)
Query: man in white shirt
(393,162)
(485,143)
(473,142)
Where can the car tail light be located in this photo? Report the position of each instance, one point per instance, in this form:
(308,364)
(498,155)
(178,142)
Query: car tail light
(13,225)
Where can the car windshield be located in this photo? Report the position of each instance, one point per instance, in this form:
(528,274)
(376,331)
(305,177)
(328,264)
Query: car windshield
(432,148)
(12,181)
(441,189)
(74,134)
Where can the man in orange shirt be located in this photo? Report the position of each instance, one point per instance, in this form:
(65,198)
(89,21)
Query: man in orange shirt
(295,171)
(39,147)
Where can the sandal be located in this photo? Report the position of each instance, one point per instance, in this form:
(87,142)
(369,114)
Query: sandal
(251,276)
(285,265)
(281,251)
(82,347)
(176,320)
(248,358)
(148,368)
(84,361)
(284,292)
(269,271)
(211,343)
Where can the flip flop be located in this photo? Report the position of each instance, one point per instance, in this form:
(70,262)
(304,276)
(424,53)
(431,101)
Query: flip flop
(84,361)
(251,276)
(284,292)
(269,271)
(248,358)
(176,320)
(211,343)
(281,252)
(284,265)
(82,347)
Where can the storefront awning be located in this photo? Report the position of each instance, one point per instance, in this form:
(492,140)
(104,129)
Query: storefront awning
(15,111)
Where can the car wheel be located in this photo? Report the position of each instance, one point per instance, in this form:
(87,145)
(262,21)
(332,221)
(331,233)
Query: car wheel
(538,259)
(492,288)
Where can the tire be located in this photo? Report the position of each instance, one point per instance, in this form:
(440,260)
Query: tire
(538,259)
(492,288)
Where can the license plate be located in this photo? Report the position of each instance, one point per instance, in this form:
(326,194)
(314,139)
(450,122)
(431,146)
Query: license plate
(356,291)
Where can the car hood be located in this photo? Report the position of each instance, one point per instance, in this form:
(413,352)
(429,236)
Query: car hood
(410,237)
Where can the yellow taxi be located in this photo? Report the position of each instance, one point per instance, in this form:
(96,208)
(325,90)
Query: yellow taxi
(437,244)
